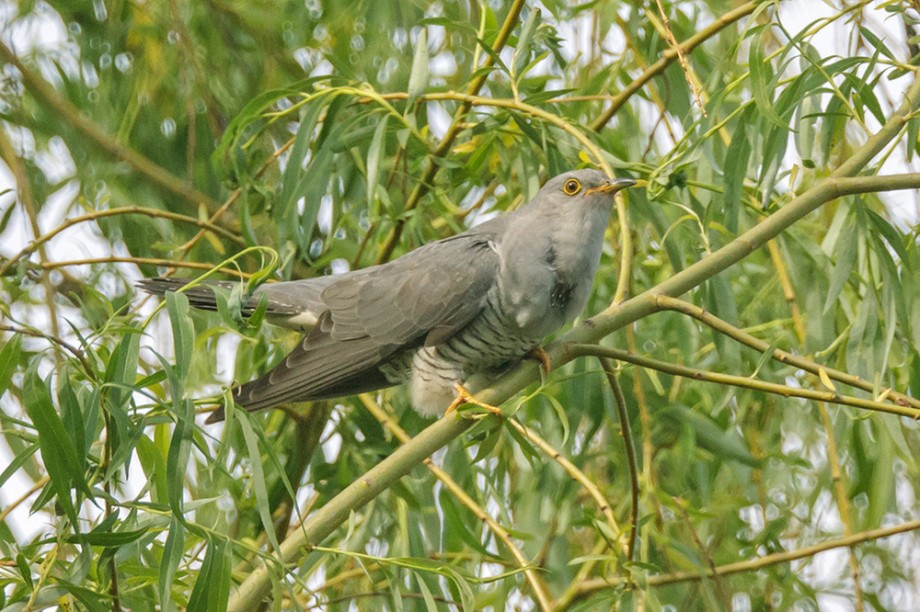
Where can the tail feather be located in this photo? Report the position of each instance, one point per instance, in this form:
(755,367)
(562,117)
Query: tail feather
(202,296)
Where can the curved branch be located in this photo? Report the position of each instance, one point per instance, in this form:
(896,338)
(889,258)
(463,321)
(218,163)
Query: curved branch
(668,56)
(600,584)
(831,397)
(631,464)
(578,476)
(803,363)
(114,212)
(530,573)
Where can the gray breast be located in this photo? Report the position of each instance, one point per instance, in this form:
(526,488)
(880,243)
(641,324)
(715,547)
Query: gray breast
(490,342)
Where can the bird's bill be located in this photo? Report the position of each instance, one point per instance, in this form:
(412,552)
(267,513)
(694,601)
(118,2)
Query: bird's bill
(612,187)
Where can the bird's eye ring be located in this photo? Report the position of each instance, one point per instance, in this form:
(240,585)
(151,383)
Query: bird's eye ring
(571,187)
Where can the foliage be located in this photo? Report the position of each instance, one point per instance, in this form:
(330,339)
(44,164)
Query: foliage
(771,415)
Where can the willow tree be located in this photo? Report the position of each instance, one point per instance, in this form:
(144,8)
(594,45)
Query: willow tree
(732,424)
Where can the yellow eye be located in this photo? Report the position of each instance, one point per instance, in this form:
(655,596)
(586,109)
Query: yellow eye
(571,187)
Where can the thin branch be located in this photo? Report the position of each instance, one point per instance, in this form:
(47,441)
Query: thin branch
(667,58)
(685,67)
(577,475)
(231,200)
(613,582)
(37,486)
(114,212)
(456,126)
(76,352)
(336,511)
(139,261)
(24,193)
(830,397)
(626,431)
(802,363)
(707,558)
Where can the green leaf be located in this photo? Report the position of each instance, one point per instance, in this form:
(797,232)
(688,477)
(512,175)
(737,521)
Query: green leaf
(172,556)
(258,480)
(418,77)
(107,538)
(762,82)
(9,360)
(876,42)
(178,455)
(64,465)
(522,50)
(845,251)
(183,335)
(375,153)
(212,587)
(736,165)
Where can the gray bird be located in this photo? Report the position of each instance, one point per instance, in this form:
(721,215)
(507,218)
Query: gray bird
(470,304)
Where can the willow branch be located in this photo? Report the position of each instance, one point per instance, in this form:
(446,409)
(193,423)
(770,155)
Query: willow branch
(576,473)
(667,58)
(626,432)
(751,565)
(51,338)
(802,363)
(745,382)
(530,574)
(139,261)
(114,212)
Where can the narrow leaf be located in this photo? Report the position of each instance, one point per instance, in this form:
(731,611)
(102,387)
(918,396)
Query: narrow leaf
(418,78)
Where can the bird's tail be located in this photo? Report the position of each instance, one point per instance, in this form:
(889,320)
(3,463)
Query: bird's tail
(202,296)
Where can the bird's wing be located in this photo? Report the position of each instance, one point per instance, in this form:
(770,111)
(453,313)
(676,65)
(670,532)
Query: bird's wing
(423,297)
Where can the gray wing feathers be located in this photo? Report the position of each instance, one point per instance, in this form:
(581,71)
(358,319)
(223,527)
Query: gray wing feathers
(374,313)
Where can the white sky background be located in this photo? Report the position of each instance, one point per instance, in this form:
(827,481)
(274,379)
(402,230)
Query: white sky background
(82,241)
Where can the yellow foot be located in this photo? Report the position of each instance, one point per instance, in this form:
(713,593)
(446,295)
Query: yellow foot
(543,357)
(465,397)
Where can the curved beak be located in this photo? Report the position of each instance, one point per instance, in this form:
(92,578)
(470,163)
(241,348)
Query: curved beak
(612,187)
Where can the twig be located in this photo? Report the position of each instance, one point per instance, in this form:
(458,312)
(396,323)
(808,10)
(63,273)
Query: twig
(230,201)
(576,473)
(802,363)
(831,397)
(77,353)
(114,212)
(599,584)
(626,432)
(681,57)
(668,57)
(149,261)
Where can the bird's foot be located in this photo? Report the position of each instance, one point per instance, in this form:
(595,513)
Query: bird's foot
(465,397)
(543,357)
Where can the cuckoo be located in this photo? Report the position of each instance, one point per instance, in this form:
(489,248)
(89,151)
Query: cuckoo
(470,304)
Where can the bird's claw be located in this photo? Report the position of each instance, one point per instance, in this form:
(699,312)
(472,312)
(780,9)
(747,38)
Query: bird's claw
(465,397)
(543,357)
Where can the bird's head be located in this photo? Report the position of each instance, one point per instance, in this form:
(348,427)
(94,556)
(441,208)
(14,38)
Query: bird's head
(584,187)
(579,195)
